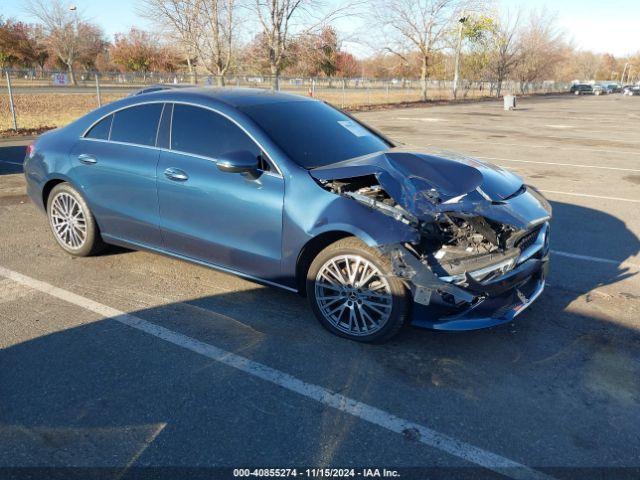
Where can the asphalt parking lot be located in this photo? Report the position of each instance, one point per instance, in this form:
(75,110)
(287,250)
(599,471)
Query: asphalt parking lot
(131,359)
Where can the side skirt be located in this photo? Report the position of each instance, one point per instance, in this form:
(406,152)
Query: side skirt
(136,246)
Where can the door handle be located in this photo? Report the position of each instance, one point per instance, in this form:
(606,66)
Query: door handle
(87,159)
(176,174)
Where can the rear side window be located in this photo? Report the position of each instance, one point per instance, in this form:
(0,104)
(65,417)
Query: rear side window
(100,131)
(203,132)
(137,125)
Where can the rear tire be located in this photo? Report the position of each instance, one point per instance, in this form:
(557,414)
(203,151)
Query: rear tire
(72,222)
(354,294)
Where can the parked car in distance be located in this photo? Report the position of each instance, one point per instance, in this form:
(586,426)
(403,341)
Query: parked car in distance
(599,89)
(613,88)
(290,192)
(581,89)
(632,90)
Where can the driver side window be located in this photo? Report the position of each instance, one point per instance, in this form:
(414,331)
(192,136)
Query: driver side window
(203,132)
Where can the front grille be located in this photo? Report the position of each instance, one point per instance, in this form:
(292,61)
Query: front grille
(528,239)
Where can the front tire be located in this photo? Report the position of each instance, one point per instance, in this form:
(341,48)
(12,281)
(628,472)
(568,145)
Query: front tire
(354,294)
(72,222)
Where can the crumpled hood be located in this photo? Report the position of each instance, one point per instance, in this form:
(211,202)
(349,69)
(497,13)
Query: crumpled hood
(422,181)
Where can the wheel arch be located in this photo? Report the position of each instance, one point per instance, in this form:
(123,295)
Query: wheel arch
(311,249)
(48,187)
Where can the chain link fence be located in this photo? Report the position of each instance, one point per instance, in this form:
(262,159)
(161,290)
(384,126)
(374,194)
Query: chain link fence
(42,98)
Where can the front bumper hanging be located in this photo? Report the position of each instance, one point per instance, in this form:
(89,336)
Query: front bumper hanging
(468,303)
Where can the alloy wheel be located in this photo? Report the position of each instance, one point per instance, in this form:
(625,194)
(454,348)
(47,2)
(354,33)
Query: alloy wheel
(353,295)
(68,221)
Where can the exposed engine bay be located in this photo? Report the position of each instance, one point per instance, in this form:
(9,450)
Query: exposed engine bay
(459,248)
(451,242)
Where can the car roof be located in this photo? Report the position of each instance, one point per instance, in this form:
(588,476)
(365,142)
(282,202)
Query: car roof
(232,96)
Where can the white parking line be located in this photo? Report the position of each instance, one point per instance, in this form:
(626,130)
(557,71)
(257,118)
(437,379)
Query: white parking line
(617,199)
(499,131)
(558,164)
(365,412)
(589,258)
(522,145)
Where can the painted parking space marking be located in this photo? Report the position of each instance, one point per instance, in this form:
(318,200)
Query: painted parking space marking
(601,197)
(423,119)
(363,411)
(589,258)
(520,145)
(558,164)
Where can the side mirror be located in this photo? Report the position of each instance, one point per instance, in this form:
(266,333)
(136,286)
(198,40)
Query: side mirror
(241,161)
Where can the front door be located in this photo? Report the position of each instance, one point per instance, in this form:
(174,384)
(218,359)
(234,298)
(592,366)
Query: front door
(226,219)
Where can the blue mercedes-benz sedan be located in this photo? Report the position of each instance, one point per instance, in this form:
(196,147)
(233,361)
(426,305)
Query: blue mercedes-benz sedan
(291,192)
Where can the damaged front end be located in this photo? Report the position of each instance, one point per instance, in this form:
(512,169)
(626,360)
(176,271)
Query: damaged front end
(482,253)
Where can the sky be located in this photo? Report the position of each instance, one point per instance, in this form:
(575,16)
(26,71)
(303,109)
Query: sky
(610,26)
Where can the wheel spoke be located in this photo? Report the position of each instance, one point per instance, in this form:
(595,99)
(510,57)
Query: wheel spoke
(334,271)
(329,297)
(377,304)
(374,295)
(366,316)
(375,309)
(340,274)
(353,320)
(365,278)
(347,268)
(340,307)
(329,283)
(379,286)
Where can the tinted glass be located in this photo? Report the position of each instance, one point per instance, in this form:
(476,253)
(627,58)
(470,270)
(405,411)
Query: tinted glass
(203,132)
(101,129)
(313,134)
(137,125)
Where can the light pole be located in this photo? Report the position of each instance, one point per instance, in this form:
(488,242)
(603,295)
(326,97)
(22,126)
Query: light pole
(623,72)
(456,73)
(73,8)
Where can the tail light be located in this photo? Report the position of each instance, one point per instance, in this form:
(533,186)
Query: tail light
(31,150)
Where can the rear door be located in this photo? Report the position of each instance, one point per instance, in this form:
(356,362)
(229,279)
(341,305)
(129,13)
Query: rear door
(115,163)
(227,219)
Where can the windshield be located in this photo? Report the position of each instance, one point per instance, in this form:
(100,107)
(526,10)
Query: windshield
(313,134)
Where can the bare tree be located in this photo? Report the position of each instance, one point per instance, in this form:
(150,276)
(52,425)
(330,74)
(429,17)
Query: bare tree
(64,28)
(205,29)
(505,49)
(180,20)
(588,64)
(277,17)
(541,49)
(416,26)
(217,25)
